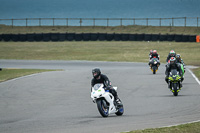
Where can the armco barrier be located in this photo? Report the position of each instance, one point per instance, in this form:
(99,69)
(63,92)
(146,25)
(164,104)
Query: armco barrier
(96,36)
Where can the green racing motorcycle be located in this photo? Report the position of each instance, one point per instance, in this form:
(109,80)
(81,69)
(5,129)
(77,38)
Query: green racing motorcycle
(174,81)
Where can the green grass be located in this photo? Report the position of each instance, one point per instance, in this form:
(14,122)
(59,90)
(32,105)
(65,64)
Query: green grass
(101,29)
(129,51)
(185,128)
(7,74)
(196,71)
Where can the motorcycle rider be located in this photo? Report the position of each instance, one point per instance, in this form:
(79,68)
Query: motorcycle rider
(179,60)
(172,65)
(172,53)
(154,55)
(101,78)
(150,54)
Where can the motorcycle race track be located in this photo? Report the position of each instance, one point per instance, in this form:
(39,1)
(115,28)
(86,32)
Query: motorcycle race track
(59,101)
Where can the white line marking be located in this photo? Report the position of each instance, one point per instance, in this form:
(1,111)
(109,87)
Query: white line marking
(194,76)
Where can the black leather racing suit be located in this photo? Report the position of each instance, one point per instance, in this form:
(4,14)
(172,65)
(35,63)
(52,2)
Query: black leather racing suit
(107,84)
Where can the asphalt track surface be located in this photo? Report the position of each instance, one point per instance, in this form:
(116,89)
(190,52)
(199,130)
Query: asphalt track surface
(59,101)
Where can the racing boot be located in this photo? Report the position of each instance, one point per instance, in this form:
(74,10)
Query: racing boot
(118,101)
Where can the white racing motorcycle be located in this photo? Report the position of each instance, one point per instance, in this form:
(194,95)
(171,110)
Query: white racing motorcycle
(105,101)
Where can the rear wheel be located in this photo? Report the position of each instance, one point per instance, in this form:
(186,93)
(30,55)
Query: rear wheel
(102,107)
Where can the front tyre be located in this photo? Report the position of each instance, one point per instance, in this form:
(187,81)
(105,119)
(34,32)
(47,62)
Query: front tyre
(102,107)
(120,111)
(154,69)
(175,92)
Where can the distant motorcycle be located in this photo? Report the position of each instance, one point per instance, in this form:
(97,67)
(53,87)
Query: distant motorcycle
(174,82)
(154,64)
(105,101)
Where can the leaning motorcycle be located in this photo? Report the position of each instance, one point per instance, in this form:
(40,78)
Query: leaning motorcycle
(154,64)
(174,82)
(105,101)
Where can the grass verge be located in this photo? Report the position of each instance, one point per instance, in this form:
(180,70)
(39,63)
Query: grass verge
(7,74)
(184,128)
(98,51)
(101,29)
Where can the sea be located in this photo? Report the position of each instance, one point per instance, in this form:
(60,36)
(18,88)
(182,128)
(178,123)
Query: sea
(104,12)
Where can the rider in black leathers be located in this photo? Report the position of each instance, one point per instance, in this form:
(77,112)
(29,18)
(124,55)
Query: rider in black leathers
(172,65)
(154,55)
(101,78)
(172,53)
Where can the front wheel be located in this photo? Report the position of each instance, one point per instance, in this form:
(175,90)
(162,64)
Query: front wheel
(102,107)
(174,89)
(154,69)
(120,111)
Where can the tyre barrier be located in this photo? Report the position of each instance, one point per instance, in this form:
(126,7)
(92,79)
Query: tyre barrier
(117,37)
(140,37)
(62,37)
(96,37)
(147,37)
(110,37)
(86,37)
(46,37)
(132,37)
(102,36)
(54,37)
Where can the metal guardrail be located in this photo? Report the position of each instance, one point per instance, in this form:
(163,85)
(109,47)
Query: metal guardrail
(178,21)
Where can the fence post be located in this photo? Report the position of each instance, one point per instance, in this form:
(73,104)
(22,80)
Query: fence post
(26,22)
(172,22)
(94,22)
(147,21)
(134,21)
(185,21)
(160,22)
(121,21)
(12,23)
(107,22)
(53,22)
(80,22)
(197,22)
(67,22)
(39,21)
